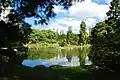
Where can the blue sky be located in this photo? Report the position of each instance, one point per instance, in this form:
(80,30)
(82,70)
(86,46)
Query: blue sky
(90,11)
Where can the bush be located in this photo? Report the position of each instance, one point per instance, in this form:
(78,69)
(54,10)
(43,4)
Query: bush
(44,44)
(74,42)
(62,43)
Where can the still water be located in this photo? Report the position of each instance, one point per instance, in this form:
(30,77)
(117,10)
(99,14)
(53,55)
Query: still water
(54,56)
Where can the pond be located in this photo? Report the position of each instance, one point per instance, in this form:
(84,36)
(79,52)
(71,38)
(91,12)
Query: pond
(57,56)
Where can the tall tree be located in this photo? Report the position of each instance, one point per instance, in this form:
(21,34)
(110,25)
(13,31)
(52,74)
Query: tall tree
(69,34)
(74,39)
(114,15)
(83,37)
(62,35)
(98,39)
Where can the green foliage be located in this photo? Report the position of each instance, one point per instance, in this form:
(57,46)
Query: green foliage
(50,52)
(43,53)
(71,37)
(35,36)
(62,36)
(48,36)
(98,33)
(62,43)
(14,30)
(83,37)
(106,41)
(42,11)
(74,39)
(69,34)
(13,34)
(113,15)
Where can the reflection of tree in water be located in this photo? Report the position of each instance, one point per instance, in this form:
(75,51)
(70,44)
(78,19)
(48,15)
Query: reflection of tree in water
(44,53)
(83,52)
(69,53)
(69,57)
(49,53)
(81,56)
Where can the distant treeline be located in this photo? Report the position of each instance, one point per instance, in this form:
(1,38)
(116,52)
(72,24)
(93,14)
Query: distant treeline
(50,36)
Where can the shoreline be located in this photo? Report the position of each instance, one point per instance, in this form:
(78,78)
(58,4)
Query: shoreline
(46,45)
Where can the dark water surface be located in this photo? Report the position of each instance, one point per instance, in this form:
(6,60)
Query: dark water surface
(55,56)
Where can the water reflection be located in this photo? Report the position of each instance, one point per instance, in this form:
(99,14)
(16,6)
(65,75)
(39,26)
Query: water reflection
(55,56)
(58,60)
(87,61)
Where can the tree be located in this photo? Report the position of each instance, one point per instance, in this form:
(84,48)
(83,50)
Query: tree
(62,35)
(14,22)
(74,39)
(98,33)
(83,37)
(69,34)
(40,9)
(114,15)
(62,42)
(47,36)
(71,37)
(51,36)
(106,41)
(21,9)
(36,36)
(98,39)
(14,31)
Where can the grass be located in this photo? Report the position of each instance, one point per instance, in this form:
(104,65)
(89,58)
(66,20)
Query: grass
(58,73)
(42,45)
(55,45)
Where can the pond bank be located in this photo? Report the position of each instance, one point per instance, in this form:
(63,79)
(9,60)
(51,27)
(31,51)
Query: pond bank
(46,45)
(74,46)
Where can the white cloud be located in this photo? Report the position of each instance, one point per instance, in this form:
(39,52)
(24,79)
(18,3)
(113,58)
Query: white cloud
(88,9)
(89,22)
(63,24)
(59,9)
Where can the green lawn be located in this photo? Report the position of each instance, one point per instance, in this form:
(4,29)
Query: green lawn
(58,73)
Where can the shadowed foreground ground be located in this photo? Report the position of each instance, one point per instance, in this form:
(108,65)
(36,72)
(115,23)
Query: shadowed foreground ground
(58,73)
